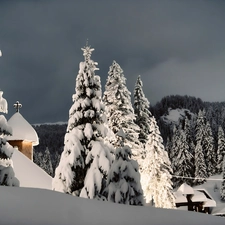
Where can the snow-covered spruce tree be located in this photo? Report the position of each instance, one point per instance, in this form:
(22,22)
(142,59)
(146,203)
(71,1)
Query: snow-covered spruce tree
(204,138)
(141,110)
(209,146)
(220,150)
(188,129)
(182,161)
(200,166)
(124,179)
(120,113)
(85,160)
(7,175)
(174,146)
(222,189)
(157,185)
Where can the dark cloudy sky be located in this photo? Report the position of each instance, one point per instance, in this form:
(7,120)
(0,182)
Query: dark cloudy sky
(177,46)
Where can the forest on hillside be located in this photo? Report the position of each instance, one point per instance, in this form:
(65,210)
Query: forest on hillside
(52,136)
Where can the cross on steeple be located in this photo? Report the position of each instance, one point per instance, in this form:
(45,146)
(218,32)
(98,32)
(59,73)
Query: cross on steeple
(17,106)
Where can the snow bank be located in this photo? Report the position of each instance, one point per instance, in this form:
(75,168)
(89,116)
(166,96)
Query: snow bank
(28,173)
(27,206)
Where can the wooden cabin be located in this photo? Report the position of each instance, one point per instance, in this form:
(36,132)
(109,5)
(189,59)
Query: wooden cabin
(194,200)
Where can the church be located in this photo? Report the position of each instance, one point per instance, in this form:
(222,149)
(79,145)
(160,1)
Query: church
(24,137)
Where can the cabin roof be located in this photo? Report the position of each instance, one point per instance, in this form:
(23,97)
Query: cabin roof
(185,189)
(198,197)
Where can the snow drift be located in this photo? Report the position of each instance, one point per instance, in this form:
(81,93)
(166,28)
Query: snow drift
(27,206)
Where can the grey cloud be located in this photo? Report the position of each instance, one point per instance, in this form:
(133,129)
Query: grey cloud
(163,41)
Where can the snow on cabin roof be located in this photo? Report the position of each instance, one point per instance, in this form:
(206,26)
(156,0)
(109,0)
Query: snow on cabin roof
(179,197)
(198,197)
(185,189)
(209,203)
(22,130)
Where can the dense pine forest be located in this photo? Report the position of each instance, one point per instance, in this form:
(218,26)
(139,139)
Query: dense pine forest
(52,136)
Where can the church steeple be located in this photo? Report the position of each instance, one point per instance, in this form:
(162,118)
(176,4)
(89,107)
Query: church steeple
(17,106)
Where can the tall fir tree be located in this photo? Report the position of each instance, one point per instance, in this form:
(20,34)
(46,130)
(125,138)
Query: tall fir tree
(202,138)
(188,129)
(182,161)
(174,146)
(120,113)
(209,146)
(124,179)
(7,175)
(220,150)
(200,166)
(156,180)
(141,110)
(85,160)
(222,189)
(200,126)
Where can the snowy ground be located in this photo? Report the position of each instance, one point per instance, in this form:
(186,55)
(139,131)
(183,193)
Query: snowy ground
(38,206)
(21,206)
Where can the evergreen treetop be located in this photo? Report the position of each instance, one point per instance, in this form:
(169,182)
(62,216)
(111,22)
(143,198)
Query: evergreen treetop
(120,112)
(141,110)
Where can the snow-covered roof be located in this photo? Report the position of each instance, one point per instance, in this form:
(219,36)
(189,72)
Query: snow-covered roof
(22,130)
(198,197)
(209,203)
(179,197)
(185,189)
